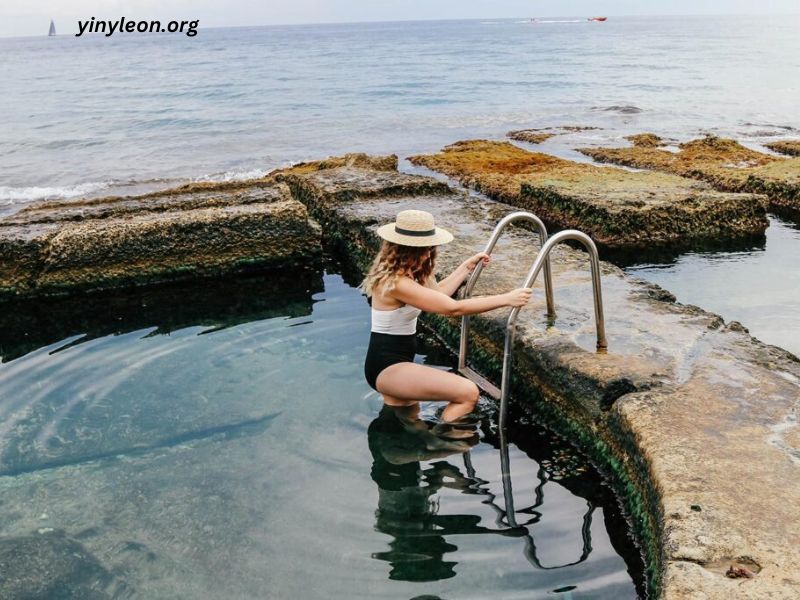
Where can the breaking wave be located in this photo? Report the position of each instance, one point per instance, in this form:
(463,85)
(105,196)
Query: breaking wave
(13,195)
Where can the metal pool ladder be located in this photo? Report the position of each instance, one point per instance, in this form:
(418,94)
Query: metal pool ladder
(542,262)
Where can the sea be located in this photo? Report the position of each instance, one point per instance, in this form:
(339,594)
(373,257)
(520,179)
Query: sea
(96,115)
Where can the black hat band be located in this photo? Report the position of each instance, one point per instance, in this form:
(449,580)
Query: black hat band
(426,233)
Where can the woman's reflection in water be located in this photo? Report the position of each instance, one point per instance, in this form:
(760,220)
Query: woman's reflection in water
(407,502)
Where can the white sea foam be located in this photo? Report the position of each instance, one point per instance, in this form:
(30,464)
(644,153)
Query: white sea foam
(13,195)
(234,175)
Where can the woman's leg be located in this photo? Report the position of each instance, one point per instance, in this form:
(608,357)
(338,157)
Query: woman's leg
(405,383)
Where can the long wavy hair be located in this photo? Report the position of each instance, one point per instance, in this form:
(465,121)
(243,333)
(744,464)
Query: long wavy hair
(393,261)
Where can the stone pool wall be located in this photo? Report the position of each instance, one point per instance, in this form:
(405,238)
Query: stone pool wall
(196,231)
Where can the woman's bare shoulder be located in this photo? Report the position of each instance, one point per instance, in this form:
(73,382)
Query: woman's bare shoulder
(383,299)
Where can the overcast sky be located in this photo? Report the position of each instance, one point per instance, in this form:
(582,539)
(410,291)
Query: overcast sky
(32,17)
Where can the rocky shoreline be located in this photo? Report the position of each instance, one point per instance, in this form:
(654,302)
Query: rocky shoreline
(618,208)
(692,419)
(723,163)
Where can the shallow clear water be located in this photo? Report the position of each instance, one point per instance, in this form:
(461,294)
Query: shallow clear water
(221,442)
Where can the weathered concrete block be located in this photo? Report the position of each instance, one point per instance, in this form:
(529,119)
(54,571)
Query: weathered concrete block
(617,208)
(195,231)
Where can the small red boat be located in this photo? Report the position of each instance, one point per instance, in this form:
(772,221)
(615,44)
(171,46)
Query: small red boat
(598,18)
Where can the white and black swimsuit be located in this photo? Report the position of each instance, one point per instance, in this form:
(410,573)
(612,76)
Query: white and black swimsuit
(393,339)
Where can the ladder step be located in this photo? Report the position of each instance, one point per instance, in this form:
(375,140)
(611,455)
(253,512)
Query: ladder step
(481,382)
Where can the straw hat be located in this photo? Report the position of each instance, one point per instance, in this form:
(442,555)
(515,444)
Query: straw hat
(414,228)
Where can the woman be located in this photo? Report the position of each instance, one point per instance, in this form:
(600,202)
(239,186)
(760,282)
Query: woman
(400,285)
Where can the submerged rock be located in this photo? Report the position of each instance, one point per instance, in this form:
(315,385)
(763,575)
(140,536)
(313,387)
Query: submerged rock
(722,162)
(28,324)
(199,230)
(616,207)
(51,565)
(542,134)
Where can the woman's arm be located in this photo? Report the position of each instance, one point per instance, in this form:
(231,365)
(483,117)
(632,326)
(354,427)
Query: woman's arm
(451,283)
(410,292)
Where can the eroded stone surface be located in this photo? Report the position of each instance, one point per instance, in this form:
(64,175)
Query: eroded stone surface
(710,412)
(724,163)
(616,207)
(199,230)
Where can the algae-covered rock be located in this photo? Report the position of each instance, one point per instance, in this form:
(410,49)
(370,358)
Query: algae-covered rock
(645,140)
(199,230)
(790,147)
(356,159)
(532,136)
(616,207)
(722,162)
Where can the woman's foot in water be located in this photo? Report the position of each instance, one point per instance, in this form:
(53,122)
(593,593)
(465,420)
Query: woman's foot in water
(452,431)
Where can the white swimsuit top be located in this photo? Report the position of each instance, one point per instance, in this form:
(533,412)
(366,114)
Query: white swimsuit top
(398,321)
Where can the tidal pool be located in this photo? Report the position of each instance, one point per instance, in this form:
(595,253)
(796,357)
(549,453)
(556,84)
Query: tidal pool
(219,441)
(756,283)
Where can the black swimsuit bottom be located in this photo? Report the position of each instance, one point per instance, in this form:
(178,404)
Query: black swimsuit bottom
(387,349)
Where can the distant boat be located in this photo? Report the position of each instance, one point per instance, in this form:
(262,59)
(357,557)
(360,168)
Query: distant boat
(52,28)
(598,18)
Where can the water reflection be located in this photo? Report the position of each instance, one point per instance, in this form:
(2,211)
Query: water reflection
(408,502)
(509,514)
(27,325)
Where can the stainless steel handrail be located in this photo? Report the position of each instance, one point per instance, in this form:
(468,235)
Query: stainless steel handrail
(548,277)
(542,261)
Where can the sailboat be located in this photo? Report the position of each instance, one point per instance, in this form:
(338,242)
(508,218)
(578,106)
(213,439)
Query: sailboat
(52,28)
